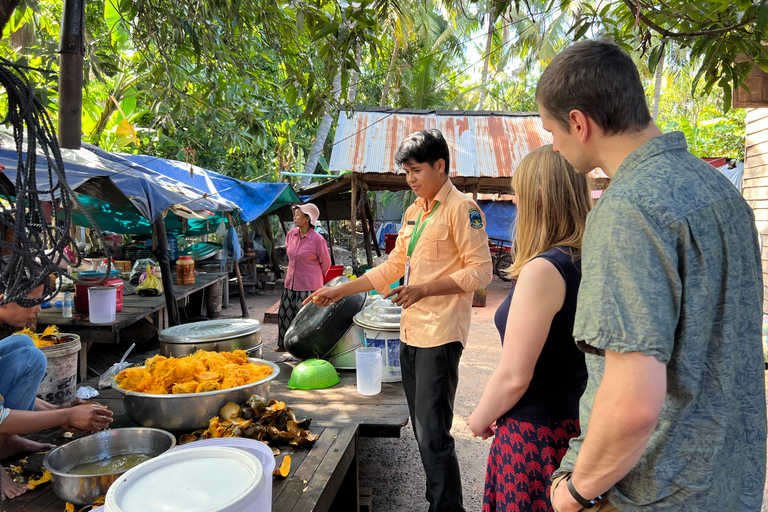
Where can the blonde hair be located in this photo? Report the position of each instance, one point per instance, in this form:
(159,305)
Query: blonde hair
(553,201)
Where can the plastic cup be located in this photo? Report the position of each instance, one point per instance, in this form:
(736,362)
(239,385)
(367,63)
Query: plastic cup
(368,370)
(102,304)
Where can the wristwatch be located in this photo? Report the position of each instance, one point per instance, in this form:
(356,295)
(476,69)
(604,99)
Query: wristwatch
(579,498)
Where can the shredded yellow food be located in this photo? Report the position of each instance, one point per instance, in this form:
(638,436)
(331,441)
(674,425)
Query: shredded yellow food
(197,373)
(50,330)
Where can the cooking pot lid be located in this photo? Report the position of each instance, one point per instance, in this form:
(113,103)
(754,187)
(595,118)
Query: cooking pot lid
(210,330)
(381,314)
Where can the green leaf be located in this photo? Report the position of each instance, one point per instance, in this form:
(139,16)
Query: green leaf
(324,30)
(653,58)
(582,30)
(762,16)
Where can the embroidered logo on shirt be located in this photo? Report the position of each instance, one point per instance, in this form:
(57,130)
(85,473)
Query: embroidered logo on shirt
(475,219)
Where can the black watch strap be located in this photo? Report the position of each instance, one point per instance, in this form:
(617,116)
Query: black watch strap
(578,497)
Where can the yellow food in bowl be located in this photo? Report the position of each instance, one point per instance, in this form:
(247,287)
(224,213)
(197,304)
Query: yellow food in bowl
(200,372)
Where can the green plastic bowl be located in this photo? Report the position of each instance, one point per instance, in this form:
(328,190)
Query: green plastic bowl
(313,374)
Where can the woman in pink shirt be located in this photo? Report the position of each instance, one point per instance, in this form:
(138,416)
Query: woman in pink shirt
(308,261)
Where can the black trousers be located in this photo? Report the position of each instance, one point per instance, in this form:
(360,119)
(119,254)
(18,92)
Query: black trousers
(430,377)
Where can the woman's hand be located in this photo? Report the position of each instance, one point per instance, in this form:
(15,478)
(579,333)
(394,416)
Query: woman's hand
(479,430)
(88,418)
(407,296)
(324,296)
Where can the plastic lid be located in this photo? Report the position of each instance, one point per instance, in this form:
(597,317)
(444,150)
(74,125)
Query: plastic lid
(313,374)
(210,330)
(185,257)
(206,479)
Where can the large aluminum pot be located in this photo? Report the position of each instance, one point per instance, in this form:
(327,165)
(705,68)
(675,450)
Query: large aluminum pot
(190,411)
(85,489)
(224,335)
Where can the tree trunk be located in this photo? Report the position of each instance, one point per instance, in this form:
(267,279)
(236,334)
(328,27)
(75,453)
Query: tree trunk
(354,75)
(322,133)
(390,73)
(657,86)
(488,43)
(161,253)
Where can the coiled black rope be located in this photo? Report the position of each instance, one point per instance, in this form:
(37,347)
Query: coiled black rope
(37,248)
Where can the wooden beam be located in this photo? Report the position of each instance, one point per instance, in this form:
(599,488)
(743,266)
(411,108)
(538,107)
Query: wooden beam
(275,264)
(330,235)
(353,221)
(240,288)
(165,267)
(366,236)
(369,214)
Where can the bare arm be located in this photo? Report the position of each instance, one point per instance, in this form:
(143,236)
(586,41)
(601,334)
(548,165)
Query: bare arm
(624,414)
(326,295)
(82,417)
(539,295)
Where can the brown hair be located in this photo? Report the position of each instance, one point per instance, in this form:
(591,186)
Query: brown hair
(553,201)
(599,79)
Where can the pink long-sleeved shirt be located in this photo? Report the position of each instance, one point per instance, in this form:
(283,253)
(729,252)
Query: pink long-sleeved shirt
(308,260)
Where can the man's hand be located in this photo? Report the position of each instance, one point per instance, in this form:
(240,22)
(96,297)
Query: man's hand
(562,501)
(407,296)
(89,418)
(324,296)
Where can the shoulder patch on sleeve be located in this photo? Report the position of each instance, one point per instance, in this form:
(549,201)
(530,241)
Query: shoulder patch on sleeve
(475,218)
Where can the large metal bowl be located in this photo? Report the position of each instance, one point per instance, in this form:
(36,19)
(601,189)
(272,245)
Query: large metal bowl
(224,335)
(190,411)
(85,489)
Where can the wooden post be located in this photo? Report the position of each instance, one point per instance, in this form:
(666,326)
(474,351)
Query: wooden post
(367,238)
(275,264)
(236,264)
(71,52)
(369,214)
(475,187)
(328,223)
(282,224)
(165,267)
(353,221)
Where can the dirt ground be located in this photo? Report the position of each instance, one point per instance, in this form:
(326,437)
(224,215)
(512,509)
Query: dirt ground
(392,467)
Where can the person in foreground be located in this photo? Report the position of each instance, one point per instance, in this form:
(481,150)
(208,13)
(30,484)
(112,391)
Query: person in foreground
(442,252)
(533,396)
(22,367)
(308,262)
(669,308)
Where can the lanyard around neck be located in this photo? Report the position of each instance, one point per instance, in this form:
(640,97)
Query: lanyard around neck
(417,232)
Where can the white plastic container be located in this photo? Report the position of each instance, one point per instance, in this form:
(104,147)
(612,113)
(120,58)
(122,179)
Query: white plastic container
(197,479)
(102,304)
(368,370)
(389,344)
(264,453)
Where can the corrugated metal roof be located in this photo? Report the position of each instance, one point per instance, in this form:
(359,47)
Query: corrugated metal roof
(488,144)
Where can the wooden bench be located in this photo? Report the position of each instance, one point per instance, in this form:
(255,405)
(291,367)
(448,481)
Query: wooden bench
(270,315)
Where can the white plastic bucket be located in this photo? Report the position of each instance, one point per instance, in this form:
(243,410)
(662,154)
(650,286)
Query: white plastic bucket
(389,343)
(369,370)
(59,383)
(197,479)
(102,303)
(263,503)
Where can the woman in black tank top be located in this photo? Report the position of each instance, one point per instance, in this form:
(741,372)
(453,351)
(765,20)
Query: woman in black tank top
(530,404)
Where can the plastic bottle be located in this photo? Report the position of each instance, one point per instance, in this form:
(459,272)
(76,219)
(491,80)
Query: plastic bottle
(103,266)
(66,306)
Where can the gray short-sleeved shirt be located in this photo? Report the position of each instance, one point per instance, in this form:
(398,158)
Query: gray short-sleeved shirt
(671,269)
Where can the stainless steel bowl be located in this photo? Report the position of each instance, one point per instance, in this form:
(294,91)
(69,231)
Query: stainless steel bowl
(190,411)
(85,489)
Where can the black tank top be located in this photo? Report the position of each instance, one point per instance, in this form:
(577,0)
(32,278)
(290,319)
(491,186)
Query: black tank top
(560,375)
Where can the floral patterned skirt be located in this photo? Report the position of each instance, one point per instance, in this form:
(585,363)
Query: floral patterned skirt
(523,457)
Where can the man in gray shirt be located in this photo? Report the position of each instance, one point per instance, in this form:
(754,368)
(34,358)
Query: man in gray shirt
(669,308)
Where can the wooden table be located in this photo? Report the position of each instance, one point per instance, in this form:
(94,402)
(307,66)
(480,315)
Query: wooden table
(322,479)
(382,415)
(134,309)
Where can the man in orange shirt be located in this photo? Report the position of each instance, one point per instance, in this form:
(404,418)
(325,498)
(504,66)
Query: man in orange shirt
(442,251)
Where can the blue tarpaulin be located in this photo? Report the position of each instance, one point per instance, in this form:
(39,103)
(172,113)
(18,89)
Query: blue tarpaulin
(252,199)
(500,218)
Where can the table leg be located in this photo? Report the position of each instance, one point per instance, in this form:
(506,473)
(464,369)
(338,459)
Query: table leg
(83,360)
(348,496)
(225,292)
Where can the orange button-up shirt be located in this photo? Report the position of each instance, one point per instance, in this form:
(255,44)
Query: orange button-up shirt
(453,243)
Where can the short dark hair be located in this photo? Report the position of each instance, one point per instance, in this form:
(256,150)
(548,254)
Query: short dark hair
(424,146)
(599,79)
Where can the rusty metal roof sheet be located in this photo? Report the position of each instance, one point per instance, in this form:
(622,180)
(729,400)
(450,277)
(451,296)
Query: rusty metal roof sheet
(483,143)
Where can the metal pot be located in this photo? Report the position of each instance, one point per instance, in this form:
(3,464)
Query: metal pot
(85,489)
(342,356)
(225,335)
(190,411)
(381,314)
(315,330)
